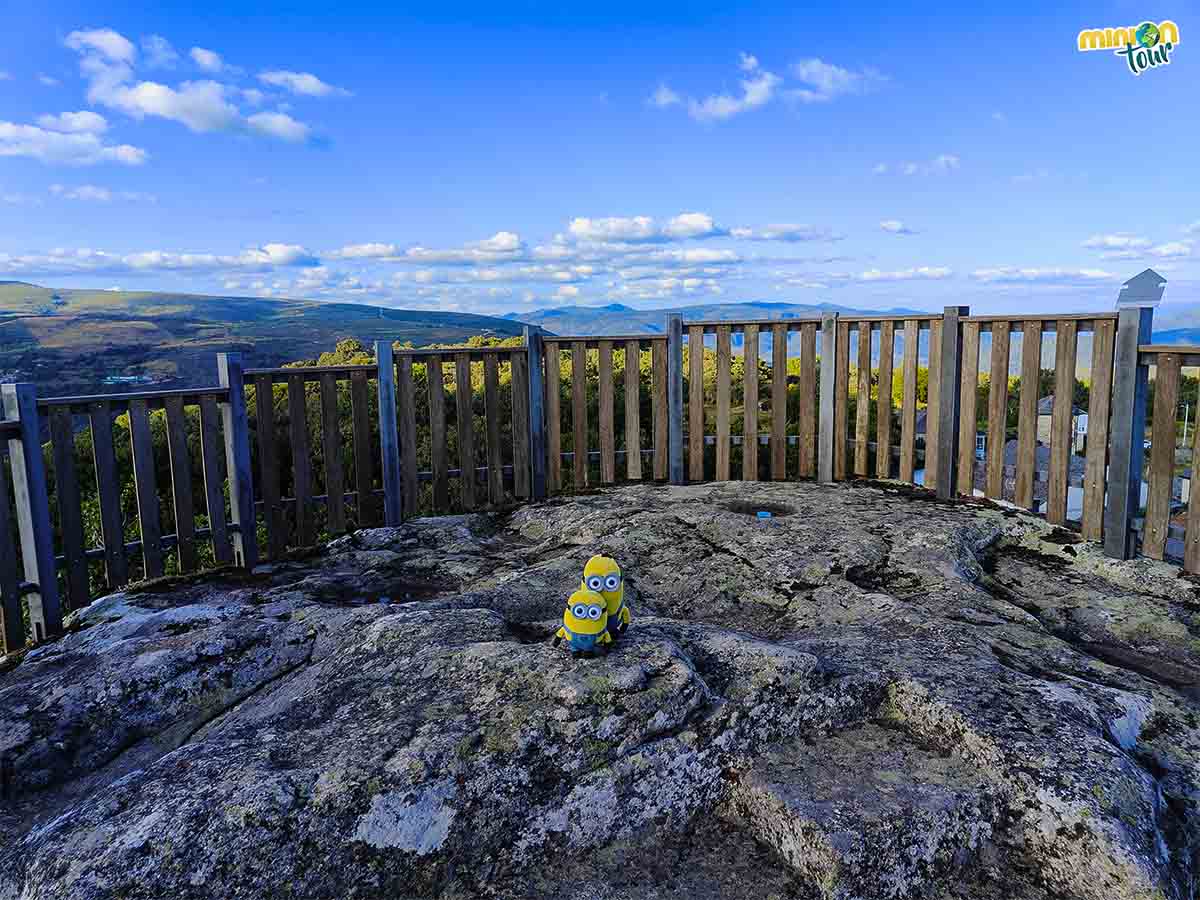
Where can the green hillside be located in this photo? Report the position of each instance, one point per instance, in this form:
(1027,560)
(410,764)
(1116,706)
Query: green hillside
(69,341)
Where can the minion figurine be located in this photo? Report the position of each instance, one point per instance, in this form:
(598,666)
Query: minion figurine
(585,624)
(603,575)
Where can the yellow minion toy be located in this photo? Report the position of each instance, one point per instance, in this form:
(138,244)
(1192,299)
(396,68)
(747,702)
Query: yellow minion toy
(603,575)
(585,622)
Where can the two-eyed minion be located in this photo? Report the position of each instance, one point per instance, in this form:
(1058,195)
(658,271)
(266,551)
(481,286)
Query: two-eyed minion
(585,624)
(603,575)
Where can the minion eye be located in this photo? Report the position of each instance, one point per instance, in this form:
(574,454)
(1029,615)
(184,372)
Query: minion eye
(595,582)
(580,611)
(594,612)
(612,582)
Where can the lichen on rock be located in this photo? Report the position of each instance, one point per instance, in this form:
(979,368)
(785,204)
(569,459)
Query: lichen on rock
(869,696)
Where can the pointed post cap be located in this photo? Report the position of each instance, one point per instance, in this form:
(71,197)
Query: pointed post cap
(1144,289)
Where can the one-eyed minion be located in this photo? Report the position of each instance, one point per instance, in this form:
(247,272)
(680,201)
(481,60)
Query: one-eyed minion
(603,575)
(585,624)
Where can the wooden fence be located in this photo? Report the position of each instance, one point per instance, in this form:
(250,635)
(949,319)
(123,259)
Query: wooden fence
(270,460)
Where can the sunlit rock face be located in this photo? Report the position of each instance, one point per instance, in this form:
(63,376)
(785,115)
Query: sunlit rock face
(870,694)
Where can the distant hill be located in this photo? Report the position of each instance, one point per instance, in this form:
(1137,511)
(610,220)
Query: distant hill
(616,318)
(69,341)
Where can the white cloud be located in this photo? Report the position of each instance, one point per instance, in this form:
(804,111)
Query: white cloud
(789,233)
(86,260)
(105,42)
(644,229)
(1171,250)
(756,92)
(278,125)
(159,52)
(47,80)
(895,226)
(69,149)
(367,251)
(503,246)
(918,273)
(97,194)
(253,96)
(939,165)
(201,106)
(303,83)
(747,63)
(567,291)
(826,81)
(1117,241)
(5,76)
(1035,275)
(82,122)
(663,96)
(208,60)
(83,192)
(1194,228)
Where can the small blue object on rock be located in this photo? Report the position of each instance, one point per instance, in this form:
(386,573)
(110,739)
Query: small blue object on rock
(764,514)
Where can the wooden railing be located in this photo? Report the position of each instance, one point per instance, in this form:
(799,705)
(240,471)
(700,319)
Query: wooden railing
(270,460)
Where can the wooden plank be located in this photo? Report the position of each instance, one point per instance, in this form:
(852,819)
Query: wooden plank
(554,416)
(389,434)
(1061,450)
(1191,543)
(146,487)
(12,624)
(211,444)
(1162,456)
(608,445)
(306,526)
(696,404)
(491,403)
(31,496)
(365,504)
(828,398)
(1099,408)
(908,406)
(933,406)
(535,365)
(841,399)
(750,404)
(883,404)
(463,396)
(235,424)
(997,432)
(949,399)
(1127,431)
(439,461)
(268,469)
(674,379)
(579,415)
(520,423)
(779,349)
(70,509)
(862,407)
(966,419)
(331,449)
(808,414)
(633,411)
(181,484)
(658,402)
(406,395)
(112,528)
(1031,367)
(724,364)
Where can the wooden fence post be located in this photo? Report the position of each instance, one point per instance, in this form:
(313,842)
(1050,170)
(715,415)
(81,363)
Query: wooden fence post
(32,497)
(825,443)
(389,444)
(537,411)
(675,397)
(950,399)
(236,425)
(1131,382)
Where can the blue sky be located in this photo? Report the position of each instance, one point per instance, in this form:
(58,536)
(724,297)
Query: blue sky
(505,157)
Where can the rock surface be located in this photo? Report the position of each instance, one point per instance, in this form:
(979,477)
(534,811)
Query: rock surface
(874,695)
